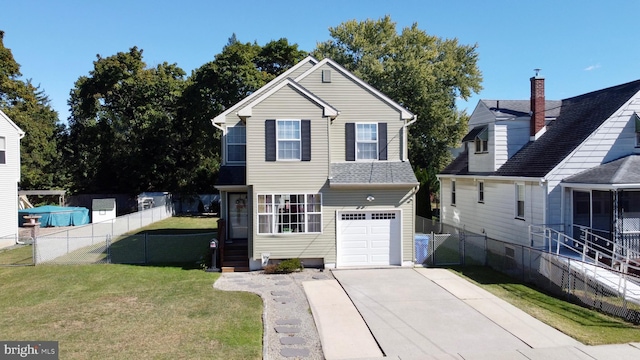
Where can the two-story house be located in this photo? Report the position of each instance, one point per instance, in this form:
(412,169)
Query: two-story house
(315,167)
(10,135)
(557,164)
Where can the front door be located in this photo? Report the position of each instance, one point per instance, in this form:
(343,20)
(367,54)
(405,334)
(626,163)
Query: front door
(238,215)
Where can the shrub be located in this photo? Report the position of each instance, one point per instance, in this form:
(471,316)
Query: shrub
(284,267)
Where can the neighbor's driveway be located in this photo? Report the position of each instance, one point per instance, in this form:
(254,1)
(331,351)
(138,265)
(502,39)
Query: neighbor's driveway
(434,314)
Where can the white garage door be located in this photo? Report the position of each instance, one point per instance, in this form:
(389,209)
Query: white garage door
(369,238)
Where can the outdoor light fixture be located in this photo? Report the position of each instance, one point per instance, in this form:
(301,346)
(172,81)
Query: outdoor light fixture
(370,198)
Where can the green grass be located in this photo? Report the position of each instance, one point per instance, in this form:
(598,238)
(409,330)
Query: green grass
(130,312)
(22,255)
(587,326)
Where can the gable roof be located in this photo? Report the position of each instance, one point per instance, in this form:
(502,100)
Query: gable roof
(625,170)
(329,110)
(405,114)
(221,118)
(18,130)
(579,117)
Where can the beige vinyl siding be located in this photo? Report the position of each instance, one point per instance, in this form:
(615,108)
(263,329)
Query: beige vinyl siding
(496,216)
(287,175)
(355,104)
(282,246)
(9,177)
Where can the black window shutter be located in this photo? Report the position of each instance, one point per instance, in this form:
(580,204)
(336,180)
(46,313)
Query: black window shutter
(305,137)
(350,137)
(270,140)
(382,141)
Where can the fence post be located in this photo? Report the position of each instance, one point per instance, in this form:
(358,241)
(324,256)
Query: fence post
(108,244)
(145,248)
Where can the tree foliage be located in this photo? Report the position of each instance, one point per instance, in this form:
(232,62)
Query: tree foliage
(28,106)
(123,130)
(424,73)
(134,128)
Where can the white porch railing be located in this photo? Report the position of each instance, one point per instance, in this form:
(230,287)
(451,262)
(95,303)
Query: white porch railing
(590,247)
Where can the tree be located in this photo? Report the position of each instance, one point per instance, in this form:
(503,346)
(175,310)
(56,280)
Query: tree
(235,73)
(421,72)
(28,106)
(123,130)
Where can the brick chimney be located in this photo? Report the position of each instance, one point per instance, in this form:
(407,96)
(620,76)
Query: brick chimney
(537,104)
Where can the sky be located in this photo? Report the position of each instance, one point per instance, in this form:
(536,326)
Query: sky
(580,46)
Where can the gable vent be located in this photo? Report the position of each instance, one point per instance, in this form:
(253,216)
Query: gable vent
(326,76)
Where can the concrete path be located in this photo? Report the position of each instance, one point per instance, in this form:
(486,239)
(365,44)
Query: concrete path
(434,314)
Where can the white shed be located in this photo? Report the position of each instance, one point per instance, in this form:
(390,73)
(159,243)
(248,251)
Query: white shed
(103,210)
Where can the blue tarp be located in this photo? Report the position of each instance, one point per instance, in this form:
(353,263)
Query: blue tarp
(56,215)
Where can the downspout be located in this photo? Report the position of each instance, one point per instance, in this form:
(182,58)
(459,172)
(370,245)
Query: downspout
(405,133)
(329,121)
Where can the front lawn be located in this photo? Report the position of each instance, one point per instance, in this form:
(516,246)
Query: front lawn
(130,312)
(587,326)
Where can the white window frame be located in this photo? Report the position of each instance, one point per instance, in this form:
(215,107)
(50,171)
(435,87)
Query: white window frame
(366,141)
(3,150)
(480,191)
(482,146)
(230,143)
(275,216)
(453,192)
(520,198)
(290,139)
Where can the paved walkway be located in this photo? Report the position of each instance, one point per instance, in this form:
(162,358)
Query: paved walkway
(434,314)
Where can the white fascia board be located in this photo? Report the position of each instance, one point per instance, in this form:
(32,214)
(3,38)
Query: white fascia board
(373,186)
(329,111)
(18,130)
(221,118)
(405,114)
(492,177)
(587,186)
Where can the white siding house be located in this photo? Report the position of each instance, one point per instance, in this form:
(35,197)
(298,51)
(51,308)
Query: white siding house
(558,164)
(10,135)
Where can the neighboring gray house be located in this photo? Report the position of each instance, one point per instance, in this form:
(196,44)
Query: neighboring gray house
(10,135)
(315,166)
(557,164)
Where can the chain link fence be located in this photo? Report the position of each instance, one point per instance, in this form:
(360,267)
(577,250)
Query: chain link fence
(146,248)
(95,236)
(587,284)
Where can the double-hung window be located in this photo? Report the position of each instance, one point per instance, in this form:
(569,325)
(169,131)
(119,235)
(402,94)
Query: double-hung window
(3,150)
(236,144)
(482,142)
(288,139)
(519,201)
(366,141)
(289,213)
(480,191)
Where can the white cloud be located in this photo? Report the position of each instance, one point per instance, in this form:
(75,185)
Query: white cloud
(592,67)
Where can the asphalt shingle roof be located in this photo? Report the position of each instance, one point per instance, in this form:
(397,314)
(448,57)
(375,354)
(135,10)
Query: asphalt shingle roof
(373,172)
(578,117)
(519,108)
(625,170)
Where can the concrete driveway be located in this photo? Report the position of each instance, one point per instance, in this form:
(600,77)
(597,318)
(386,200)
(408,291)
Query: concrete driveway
(434,314)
